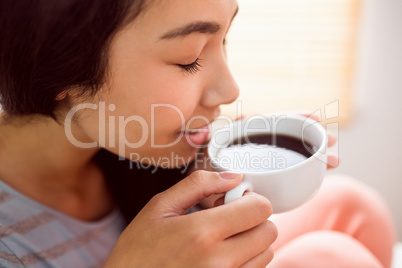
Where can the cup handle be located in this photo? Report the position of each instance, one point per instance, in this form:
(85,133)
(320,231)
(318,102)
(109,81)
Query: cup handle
(238,191)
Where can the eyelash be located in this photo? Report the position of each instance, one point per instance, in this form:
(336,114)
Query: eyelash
(191,68)
(194,67)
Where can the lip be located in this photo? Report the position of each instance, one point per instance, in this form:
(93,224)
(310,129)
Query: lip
(197,137)
(217,113)
(196,130)
(200,134)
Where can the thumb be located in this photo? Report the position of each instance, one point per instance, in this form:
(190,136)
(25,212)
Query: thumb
(199,185)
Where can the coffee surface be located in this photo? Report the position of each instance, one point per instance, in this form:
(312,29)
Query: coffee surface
(282,141)
(259,153)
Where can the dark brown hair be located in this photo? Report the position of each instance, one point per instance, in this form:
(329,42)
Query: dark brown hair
(47,47)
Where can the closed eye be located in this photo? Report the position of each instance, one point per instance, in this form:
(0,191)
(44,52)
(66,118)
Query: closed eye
(191,68)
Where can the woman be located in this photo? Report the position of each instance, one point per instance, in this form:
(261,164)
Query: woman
(142,80)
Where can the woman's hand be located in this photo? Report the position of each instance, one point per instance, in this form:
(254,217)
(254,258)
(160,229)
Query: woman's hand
(332,159)
(236,234)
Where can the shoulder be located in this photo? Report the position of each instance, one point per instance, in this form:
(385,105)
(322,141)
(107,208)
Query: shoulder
(8,259)
(16,209)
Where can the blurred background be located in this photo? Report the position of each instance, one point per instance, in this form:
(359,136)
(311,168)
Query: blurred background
(339,58)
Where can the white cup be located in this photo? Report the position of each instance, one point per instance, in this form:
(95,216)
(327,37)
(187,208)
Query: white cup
(286,188)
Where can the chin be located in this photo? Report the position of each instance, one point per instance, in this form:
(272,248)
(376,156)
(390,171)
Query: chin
(184,155)
(167,157)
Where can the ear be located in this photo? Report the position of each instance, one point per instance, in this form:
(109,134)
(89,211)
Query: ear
(61,96)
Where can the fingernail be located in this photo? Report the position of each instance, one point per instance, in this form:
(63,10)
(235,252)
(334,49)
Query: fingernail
(332,161)
(242,117)
(229,175)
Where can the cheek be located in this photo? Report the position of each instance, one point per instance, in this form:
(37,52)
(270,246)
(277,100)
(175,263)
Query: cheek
(157,115)
(162,94)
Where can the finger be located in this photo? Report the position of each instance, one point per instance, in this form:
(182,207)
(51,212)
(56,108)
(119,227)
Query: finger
(252,242)
(220,201)
(237,216)
(191,190)
(331,140)
(241,117)
(311,116)
(332,161)
(262,260)
(209,202)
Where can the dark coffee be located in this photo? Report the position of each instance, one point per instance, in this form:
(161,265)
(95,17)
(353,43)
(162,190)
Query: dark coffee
(282,141)
(264,152)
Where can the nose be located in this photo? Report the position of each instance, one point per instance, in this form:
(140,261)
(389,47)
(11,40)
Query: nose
(221,87)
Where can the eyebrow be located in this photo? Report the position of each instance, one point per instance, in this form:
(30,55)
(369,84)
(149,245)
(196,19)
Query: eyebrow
(203,27)
(195,27)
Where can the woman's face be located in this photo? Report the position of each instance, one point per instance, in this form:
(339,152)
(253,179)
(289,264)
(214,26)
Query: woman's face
(168,75)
